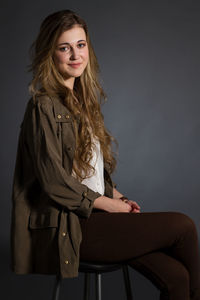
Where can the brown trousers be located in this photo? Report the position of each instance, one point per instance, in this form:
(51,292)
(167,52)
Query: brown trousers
(163,246)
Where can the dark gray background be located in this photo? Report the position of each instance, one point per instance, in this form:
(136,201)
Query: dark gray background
(149,54)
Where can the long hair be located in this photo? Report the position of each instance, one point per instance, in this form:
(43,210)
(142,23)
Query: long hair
(85,98)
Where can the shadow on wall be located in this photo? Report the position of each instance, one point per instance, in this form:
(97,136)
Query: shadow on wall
(38,286)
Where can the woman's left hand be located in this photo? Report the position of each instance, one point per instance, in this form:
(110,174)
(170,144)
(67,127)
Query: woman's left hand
(134,205)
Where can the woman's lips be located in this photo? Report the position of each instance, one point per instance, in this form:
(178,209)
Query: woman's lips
(74,65)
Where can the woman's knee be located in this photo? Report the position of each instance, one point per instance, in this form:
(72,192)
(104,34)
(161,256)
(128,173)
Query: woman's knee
(184,223)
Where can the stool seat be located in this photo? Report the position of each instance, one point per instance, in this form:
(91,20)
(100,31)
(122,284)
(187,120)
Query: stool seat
(97,269)
(93,267)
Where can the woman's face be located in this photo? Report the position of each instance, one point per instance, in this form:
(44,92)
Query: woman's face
(71,54)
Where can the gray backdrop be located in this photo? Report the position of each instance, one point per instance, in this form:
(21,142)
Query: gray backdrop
(149,54)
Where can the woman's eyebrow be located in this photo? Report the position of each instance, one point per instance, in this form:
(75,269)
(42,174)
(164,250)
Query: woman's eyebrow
(69,43)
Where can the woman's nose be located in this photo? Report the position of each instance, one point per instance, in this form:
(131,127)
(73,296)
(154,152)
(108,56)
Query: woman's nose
(74,53)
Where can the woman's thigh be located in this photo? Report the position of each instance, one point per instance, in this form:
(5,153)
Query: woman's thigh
(113,237)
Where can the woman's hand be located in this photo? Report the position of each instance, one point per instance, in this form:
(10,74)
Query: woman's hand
(135,207)
(111,205)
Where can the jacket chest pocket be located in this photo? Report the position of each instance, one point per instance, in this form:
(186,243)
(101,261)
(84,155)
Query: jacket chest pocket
(66,135)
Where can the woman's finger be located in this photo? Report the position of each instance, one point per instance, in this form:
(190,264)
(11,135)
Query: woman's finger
(136,204)
(133,203)
(135,210)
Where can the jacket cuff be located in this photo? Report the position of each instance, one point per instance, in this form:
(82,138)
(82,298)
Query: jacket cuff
(87,203)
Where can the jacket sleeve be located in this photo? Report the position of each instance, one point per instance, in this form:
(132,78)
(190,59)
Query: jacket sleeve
(46,154)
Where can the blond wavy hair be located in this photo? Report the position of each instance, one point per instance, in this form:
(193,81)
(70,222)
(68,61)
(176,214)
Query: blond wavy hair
(83,101)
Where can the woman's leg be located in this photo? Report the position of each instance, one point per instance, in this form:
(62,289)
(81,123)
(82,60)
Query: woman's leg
(114,237)
(166,273)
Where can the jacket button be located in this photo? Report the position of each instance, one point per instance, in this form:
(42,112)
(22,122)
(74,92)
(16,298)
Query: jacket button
(67,116)
(66,262)
(64,234)
(59,116)
(85,194)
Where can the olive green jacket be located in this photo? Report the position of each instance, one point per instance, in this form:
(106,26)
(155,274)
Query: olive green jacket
(47,200)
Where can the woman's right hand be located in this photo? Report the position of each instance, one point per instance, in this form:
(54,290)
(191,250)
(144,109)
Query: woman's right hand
(111,205)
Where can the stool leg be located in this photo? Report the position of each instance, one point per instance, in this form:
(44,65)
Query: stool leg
(86,286)
(56,289)
(98,285)
(127,283)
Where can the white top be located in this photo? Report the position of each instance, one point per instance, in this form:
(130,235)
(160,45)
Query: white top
(96,181)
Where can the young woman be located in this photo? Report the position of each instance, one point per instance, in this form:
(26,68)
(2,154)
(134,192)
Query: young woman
(65,204)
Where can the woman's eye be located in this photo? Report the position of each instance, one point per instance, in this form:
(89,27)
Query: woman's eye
(67,49)
(82,45)
(64,49)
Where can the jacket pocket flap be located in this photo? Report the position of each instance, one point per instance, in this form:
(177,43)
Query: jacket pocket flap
(43,220)
(63,117)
